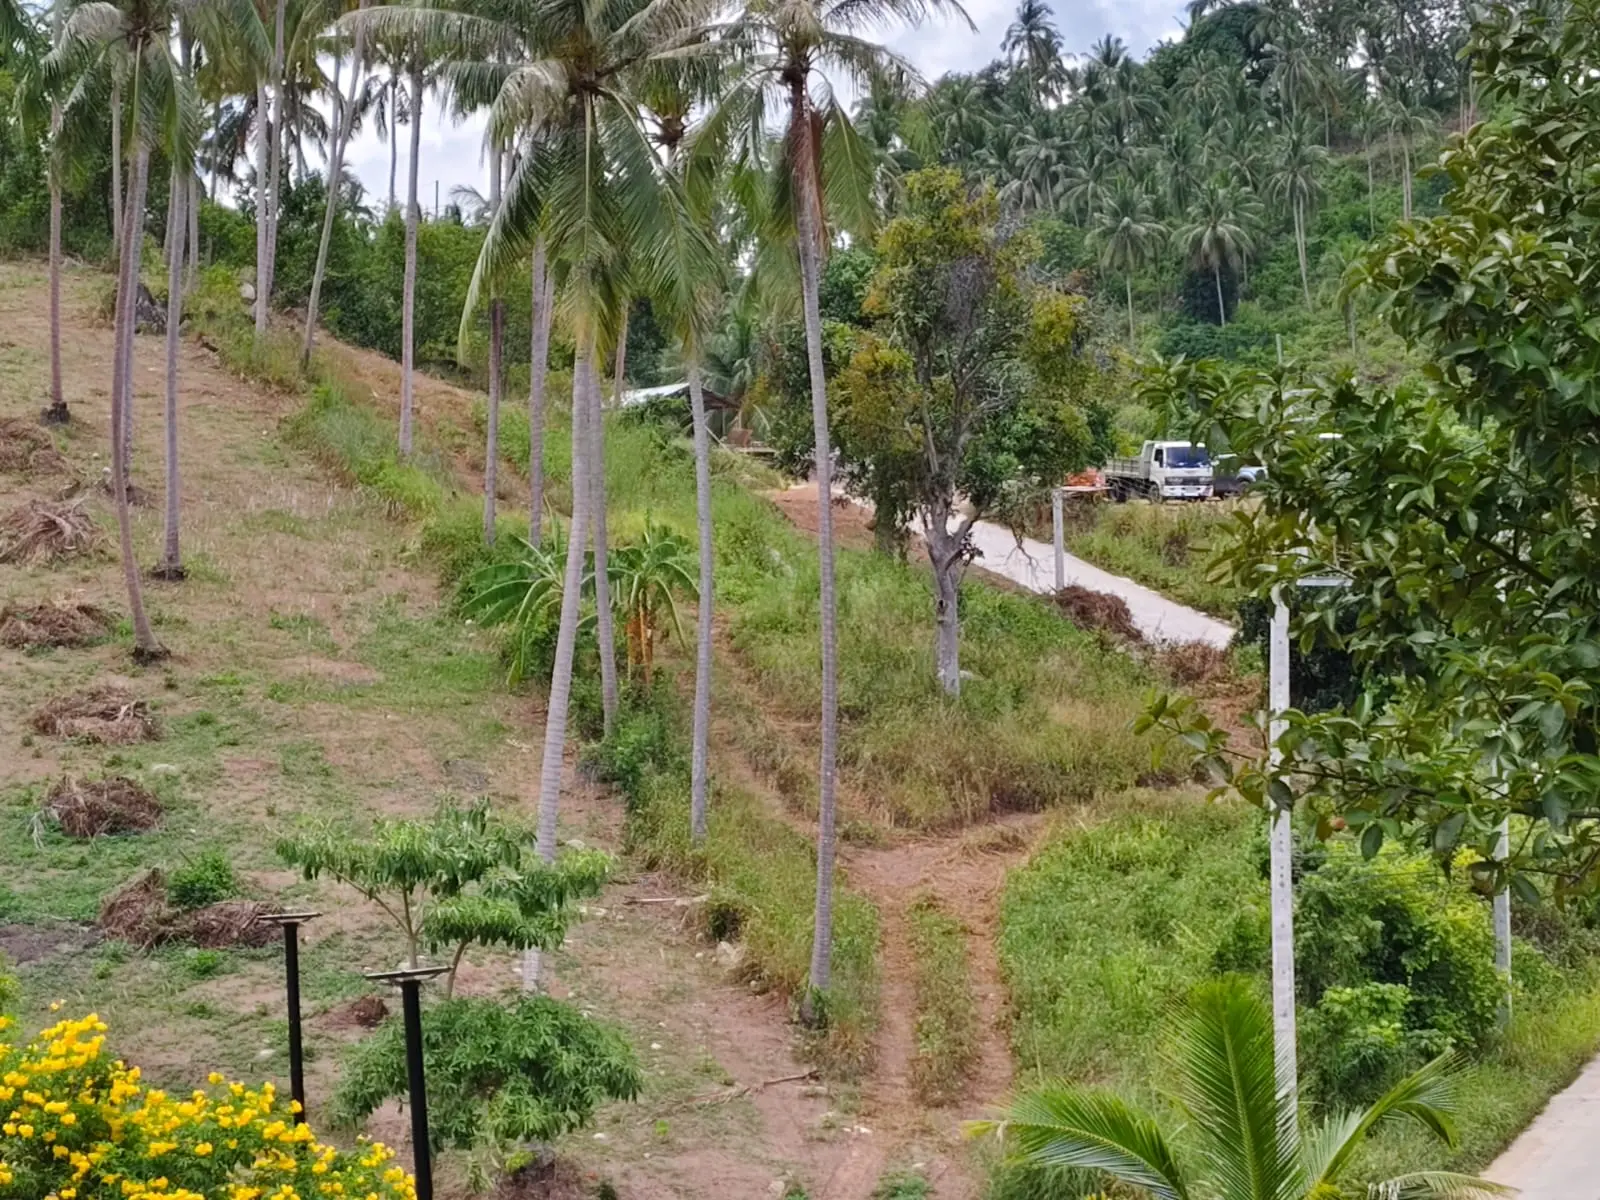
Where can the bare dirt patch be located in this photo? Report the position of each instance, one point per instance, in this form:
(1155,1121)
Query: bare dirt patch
(27,450)
(107,715)
(43,532)
(24,944)
(90,808)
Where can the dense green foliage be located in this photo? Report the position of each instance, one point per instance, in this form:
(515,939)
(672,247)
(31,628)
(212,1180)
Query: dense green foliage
(1458,509)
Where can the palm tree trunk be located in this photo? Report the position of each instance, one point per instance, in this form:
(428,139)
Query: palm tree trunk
(1222,308)
(263,208)
(1405,163)
(343,122)
(394,135)
(408,316)
(1300,248)
(1132,333)
(555,721)
(539,360)
(699,781)
(604,625)
(275,163)
(497,341)
(171,565)
(193,208)
(1372,192)
(619,371)
(145,646)
(809,237)
(116,169)
(57,413)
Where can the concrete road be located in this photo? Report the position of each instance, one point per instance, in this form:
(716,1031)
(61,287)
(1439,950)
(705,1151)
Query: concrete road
(1032,564)
(1558,1156)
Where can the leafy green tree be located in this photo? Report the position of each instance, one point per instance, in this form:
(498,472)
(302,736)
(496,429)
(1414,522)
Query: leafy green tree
(967,384)
(1458,509)
(1249,1138)
(1127,235)
(461,878)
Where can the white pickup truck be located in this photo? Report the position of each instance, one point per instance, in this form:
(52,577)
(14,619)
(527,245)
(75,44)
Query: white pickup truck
(1163,471)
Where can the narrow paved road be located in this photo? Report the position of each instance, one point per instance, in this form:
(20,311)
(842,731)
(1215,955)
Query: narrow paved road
(1558,1156)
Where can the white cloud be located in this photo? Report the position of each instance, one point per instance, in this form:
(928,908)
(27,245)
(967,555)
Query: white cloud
(452,153)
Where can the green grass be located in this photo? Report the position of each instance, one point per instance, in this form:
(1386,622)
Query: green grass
(1163,546)
(946,1014)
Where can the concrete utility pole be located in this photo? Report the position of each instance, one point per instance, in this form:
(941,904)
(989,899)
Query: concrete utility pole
(1502,923)
(1282,864)
(1061,560)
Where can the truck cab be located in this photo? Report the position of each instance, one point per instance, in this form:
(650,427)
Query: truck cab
(1164,470)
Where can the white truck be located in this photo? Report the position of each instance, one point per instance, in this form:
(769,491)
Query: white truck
(1162,471)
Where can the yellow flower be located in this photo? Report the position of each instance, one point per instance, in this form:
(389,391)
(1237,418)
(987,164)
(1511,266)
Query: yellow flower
(214,1078)
(25,1131)
(203,1149)
(69,1118)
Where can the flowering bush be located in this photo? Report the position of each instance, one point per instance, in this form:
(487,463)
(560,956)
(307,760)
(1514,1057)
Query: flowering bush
(80,1126)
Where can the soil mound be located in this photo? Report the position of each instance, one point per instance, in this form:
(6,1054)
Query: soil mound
(88,808)
(43,532)
(108,715)
(1097,610)
(56,624)
(1195,663)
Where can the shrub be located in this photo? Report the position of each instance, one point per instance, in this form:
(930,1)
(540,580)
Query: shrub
(1357,1043)
(86,1124)
(498,1074)
(204,881)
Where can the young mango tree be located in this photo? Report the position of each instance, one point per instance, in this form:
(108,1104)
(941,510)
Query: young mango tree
(967,385)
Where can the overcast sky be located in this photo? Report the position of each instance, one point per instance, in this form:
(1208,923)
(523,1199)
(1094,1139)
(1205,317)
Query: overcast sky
(452,154)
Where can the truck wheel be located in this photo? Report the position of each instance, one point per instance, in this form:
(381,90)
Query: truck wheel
(1119,492)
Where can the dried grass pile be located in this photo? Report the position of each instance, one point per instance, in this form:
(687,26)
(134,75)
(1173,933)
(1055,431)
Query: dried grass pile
(89,808)
(1195,663)
(140,914)
(45,532)
(27,450)
(57,624)
(1097,610)
(107,715)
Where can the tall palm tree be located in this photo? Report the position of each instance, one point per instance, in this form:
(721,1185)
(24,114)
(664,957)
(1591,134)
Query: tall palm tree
(1127,235)
(497,345)
(783,48)
(132,40)
(1294,182)
(1409,122)
(1218,233)
(1249,1138)
(344,122)
(542,311)
(1034,44)
(269,155)
(408,303)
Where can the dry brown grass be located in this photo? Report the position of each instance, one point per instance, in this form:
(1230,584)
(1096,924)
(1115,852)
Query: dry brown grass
(44,532)
(140,914)
(1098,611)
(108,715)
(89,808)
(56,624)
(27,450)
(1195,663)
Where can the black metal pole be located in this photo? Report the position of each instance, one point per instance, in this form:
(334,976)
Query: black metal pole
(297,1057)
(411,1001)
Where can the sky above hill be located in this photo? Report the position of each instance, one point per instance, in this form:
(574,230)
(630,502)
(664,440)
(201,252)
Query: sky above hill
(452,153)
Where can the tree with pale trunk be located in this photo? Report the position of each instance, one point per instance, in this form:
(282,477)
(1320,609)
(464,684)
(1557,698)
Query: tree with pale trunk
(1294,183)
(1218,235)
(967,386)
(828,174)
(1127,235)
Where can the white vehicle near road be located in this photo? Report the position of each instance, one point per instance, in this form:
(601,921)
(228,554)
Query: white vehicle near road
(1162,471)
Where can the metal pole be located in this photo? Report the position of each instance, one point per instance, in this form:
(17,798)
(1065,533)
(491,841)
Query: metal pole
(1282,848)
(297,1057)
(411,1002)
(1061,559)
(291,923)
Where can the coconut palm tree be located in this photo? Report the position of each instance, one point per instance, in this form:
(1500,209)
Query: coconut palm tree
(644,577)
(784,48)
(1249,1138)
(132,41)
(408,303)
(1034,44)
(269,157)
(1218,233)
(1297,161)
(1408,122)
(1127,235)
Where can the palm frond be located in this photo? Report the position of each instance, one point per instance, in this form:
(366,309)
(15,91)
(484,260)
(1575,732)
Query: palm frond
(1436,1185)
(1062,1126)
(1427,1096)
(849,172)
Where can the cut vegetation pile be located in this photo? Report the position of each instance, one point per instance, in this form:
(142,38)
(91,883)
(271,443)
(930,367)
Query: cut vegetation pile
(27,450)
(41,532)
(108,715)
(89,808)
(56,624)
(1099,611)
(1196,663)
(141,914)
